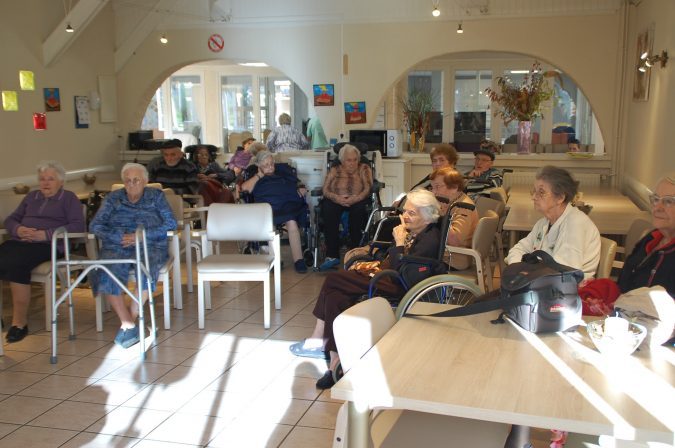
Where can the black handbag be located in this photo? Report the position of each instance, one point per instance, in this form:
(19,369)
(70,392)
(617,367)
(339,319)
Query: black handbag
(538,294)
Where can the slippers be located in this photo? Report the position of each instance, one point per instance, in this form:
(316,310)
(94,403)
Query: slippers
(298,349)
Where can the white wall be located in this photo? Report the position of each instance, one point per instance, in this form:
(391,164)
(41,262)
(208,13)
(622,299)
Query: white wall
(649,143)
(23,27)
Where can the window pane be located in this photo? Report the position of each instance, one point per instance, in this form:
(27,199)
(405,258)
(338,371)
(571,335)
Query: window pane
(510,132)
(237,103)
(282,97)
(572,115)
(430,81)
(473,121)
(154,118)
(186,93)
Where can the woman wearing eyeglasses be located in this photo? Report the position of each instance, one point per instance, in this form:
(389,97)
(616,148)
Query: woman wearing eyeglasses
(565,232)
(115,225)
(652,262)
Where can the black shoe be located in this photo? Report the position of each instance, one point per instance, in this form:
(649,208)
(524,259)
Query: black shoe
(300,266)
(15,334)
(326,381)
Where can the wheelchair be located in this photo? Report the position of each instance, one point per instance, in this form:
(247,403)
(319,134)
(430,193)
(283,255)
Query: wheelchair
(373,206)
(303,222)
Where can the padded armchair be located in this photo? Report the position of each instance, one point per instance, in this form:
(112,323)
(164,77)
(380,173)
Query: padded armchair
(607,254)
(234,222)
(483,236)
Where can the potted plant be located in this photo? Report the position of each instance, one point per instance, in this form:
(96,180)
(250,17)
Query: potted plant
(416,109)
(522,102)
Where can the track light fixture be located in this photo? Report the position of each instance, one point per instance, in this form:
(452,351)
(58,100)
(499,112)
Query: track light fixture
(163,39)
(647,61)
(459,28)
(69,29)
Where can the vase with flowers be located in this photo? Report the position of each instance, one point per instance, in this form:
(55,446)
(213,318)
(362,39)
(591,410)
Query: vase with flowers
(417,107)
(522,102)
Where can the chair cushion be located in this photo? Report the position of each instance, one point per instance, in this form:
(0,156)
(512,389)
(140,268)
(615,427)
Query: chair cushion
(236,263)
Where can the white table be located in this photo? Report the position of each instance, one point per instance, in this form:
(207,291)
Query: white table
(468,367)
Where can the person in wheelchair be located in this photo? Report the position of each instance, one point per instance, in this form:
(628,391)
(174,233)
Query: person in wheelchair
(347,188)
(277,185)
(213,179)
(449,183)
(417,235)
(442,155)
(115,225)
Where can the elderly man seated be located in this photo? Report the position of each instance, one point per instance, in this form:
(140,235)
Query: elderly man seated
(483,176)
(173,170)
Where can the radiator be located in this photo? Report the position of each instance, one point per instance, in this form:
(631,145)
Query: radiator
(527,178)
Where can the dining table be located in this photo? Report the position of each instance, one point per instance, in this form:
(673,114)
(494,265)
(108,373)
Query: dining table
(611,211)
(470,367)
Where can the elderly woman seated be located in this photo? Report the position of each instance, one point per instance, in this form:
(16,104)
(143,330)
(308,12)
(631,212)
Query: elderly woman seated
(417,235)
(212,178)
(346,188)
(115,225)
(565,232)
(449,183)
(30,227)
(277,185)
(652,261)
(442,155)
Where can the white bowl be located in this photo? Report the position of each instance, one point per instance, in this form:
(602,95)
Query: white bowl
(623,344)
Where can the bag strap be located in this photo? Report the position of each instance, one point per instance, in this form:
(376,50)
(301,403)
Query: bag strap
(525,298)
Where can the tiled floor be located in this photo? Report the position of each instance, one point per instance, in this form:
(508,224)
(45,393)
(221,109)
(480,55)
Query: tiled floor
(233,384)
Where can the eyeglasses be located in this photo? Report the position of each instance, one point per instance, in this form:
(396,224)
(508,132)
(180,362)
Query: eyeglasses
(410,212)
(538,193)
(666,201)
(135,181)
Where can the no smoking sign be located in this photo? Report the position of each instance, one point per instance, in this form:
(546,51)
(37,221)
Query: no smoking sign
(216,43)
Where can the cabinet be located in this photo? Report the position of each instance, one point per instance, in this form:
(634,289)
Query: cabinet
(396,177)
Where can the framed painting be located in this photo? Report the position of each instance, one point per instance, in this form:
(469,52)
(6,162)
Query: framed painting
(355,112)
(52,99)
(641,81)
(324,95)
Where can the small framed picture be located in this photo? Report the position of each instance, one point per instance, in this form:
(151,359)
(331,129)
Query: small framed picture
(355,112)
(52,99)
(324,95)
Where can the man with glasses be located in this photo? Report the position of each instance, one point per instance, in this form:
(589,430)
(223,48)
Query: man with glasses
(173,170)
(652,262)
(483,176)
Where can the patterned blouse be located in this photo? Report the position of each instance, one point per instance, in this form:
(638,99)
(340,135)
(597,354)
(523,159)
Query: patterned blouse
(339,183)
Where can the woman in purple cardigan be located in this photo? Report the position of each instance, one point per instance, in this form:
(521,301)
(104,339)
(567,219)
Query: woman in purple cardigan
(30,227)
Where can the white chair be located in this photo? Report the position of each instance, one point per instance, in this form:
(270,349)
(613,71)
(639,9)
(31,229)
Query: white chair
(481,243)
(356,330)
(607,255)
(234,222)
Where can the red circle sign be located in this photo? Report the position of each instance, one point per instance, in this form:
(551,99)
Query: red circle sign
(216,42)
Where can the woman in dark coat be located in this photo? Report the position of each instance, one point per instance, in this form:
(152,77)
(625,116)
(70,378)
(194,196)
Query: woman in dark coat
(417,235)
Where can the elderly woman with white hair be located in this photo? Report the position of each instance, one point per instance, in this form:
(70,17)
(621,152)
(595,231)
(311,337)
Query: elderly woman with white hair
(30,227)
(346,188)
(115,225)
(277,185)
(285,137)
(417,235)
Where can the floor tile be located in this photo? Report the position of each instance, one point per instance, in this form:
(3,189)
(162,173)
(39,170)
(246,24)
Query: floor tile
(162,444)
(164,354)
(72,415)
(34,437)
(276,409)
(190,340)
(34,343)
(302,437)
(12,357)
(138,371)
(6,428)
(108,392)
(253,435)
(13,382)
(321,414)
(161,397)
(188,428)
(40,364)
(129,422)
(93,440)
(215,403)
(21,410)
(93,368)
(57,387)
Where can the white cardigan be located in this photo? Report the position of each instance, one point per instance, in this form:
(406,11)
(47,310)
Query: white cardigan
(573,240)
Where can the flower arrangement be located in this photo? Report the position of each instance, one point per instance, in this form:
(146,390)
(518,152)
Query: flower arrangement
(416,109)
(522,102)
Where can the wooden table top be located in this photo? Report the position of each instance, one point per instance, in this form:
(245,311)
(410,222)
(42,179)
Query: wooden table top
(468,367)
(612,212)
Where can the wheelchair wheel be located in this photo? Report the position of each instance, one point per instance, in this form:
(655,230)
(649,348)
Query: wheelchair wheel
(445,288)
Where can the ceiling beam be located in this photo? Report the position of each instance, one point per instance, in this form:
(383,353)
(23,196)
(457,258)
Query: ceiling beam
(79,17)
(147,25)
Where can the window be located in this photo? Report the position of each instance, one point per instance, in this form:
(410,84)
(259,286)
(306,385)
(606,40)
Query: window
(186,101)
(154,113)
(431,82)
(473,120)
(237,103)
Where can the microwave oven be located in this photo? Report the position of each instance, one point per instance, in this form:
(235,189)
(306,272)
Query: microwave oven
(387,141)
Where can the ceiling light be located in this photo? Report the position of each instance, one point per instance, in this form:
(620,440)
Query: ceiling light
(253,64)
(69,29)
(163,39)
(519,72)
(642,68)
(649,61)
(644,55)
(459,28)
(435,12)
